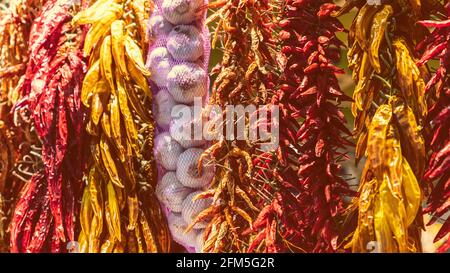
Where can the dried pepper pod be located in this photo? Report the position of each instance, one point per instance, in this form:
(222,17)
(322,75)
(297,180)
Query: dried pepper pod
(16,164)
(437,46)
(307,202)
(120,211)
(242,78)
(389,108)
(50,89)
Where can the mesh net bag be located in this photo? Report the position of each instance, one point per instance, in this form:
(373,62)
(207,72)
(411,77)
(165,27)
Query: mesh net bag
(178,60)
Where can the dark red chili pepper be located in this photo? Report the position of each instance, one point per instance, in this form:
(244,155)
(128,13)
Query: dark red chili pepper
(308,199)
(437,46)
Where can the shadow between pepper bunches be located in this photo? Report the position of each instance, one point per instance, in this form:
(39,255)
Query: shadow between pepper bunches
(389,108)
(119,210)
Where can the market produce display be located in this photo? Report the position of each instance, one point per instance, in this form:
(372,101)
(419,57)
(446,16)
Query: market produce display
(119,128)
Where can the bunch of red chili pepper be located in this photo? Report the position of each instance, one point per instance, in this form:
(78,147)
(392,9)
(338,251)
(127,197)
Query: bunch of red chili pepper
(437,46)
(49,92)
(304,213)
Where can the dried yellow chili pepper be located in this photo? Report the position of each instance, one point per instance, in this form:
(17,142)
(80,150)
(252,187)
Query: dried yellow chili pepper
(389,107)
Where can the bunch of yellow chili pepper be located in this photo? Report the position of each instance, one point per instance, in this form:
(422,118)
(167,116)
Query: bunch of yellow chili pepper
(389,108)
(117,94)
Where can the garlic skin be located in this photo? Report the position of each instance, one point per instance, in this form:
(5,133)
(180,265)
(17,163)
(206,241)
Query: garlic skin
(177,226)
(171,192)
(159,64)
(163,105)
(191,209)
(185,43)
(167,151)
(181,11)
(187,171)
(158,26)
(187,81)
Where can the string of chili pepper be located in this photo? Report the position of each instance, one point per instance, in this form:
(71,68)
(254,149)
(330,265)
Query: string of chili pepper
(50,89)
(308,199)
(243,78)
(389,108)
(437,46)
(119,210)
(16,164)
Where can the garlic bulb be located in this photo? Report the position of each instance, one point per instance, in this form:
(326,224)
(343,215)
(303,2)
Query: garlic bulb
(163,104)
(190,209)
(167,151)
(181,11)
(187,81)
(187,171)
(185,43)
(171,192)
(177,226)
(159,64)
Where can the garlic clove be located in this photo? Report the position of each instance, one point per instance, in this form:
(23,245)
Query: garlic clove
(185,128)
(199,242)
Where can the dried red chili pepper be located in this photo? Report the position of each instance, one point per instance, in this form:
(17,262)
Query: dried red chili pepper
(50,90)
(308,196)
(437,46)
(16,163)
